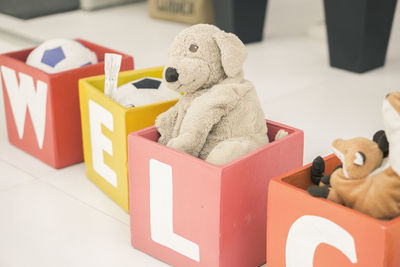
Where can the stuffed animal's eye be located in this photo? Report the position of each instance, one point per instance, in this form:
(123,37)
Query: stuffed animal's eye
(359,159)
(193,48)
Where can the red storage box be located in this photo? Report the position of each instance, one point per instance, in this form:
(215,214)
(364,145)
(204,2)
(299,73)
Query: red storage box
(313,232)
(188,212)
(53,133)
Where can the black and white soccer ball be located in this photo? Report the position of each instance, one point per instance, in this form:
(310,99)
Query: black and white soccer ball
(59,55)
(143,92)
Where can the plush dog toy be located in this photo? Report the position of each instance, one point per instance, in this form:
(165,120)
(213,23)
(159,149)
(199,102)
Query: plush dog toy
(219,117)
(367,181)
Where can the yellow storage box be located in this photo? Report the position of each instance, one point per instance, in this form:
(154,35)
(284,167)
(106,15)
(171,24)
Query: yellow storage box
(105,127)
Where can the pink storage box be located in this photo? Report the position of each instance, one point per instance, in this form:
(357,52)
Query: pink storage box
(188,212)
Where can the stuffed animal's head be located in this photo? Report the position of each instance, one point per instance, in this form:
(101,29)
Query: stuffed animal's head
(361,156)
(201,56)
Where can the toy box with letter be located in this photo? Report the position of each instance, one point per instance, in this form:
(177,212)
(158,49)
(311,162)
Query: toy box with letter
(105,127)
(42,109)
(188,212)
(306,231)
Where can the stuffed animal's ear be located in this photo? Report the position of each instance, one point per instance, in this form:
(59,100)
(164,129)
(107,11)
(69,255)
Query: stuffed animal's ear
(233,52)
(360,159)
(381,140)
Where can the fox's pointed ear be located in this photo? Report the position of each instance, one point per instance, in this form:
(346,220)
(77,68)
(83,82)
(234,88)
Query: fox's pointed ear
(360,159)
(381,140)
(394,100)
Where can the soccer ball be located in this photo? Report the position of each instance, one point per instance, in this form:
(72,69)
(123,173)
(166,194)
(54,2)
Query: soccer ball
(143,92)
(60,55)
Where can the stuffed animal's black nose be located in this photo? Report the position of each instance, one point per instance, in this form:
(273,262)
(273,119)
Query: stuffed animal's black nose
(171,75)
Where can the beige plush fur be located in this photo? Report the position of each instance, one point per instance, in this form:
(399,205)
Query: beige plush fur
(219,117)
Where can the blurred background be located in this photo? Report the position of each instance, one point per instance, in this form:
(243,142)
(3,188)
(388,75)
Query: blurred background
(129,26)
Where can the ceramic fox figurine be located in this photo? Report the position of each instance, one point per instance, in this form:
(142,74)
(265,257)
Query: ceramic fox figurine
(368,180)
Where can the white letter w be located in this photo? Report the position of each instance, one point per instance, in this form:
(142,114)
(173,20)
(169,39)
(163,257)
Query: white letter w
(24,95)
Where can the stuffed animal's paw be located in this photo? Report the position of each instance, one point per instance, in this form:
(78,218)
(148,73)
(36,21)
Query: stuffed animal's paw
(163,131)
(179,143)
(317,170)
(163,139)
(280,134)
(160,126)
(319,191)
(326,180)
